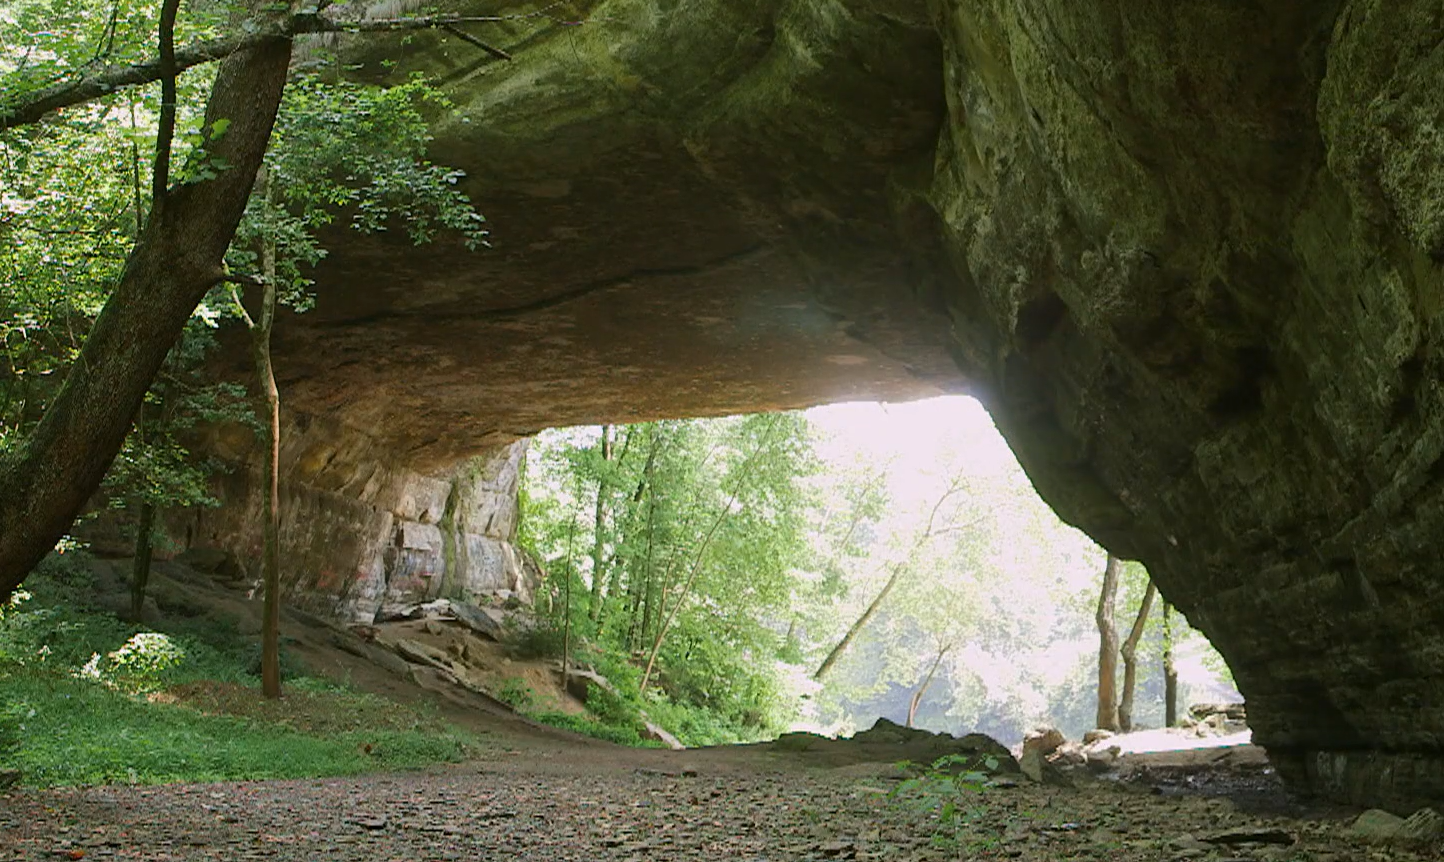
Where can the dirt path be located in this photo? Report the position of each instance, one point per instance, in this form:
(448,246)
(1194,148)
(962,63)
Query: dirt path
(541,800)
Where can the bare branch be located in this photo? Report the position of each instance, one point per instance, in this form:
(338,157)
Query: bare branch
(160,174)
(32,107)
(241,307)
(467,37)
(242,280)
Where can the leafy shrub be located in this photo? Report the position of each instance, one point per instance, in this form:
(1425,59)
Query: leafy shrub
(611,707)
(290,667)
(141,663)
(145,657)
(620,734)
(515,693)
(951,786)
(544,640)
(11,716)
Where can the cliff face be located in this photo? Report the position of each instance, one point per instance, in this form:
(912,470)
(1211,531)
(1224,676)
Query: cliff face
(362,536)
(1188,254)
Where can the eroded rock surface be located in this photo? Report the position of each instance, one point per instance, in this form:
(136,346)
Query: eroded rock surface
(1189,255)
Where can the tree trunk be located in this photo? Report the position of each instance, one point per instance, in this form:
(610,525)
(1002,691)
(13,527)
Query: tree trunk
(140,565)
(858,625)
(270,407)
(567,599)
(923,688)
(639,583)
(1170,673)
(47,480)
(567,630)
(1108,648)
(1130,658)
(594,609)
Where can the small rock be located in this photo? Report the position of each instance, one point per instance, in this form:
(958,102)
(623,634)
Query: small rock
(1189,843)
(1102,759)
(1093,736)
(372,823)
(1251,836)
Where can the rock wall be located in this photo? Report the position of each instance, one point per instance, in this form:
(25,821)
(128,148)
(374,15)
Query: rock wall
(1198,251)
(1189,254)
(362,537)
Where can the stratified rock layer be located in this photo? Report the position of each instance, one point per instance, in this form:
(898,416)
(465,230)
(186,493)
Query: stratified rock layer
(1189,255)
(363,537)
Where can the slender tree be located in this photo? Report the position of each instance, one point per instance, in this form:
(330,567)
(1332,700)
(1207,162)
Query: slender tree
(922,688)
(1170,673)
(932,530)
(860,623)
(599,533)
(1129,652)
(268,406)
(1108,647)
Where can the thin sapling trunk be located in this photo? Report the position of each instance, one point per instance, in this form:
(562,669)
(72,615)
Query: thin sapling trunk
(1107,718)
(1130,658)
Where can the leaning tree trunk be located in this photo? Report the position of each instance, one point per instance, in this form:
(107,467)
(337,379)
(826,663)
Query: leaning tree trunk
(1130,658)
(1170,672)
(923,688)
(46,481)
(1108,648)
(858,625)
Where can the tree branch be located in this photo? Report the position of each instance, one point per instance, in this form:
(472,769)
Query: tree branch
(160,175)
(241,307)
(32,107)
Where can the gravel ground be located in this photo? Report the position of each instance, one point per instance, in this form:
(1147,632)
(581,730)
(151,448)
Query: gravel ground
(568,804)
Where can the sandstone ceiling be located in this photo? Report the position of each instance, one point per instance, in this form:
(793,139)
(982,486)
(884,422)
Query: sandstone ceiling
(1189,254)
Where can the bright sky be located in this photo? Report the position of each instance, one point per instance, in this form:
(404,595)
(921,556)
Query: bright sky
(921,442)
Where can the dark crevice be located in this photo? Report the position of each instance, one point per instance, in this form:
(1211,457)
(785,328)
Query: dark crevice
(1039,317)
(564,297)
(1245,396)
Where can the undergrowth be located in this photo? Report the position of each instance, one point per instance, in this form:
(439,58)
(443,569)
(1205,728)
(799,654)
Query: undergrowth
(86,698)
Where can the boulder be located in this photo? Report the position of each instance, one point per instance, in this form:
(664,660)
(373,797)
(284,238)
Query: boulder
(480,620)
(887,732)
(1229,711)
(1044,740)
(421,653)
(1377,826)
(1424,829)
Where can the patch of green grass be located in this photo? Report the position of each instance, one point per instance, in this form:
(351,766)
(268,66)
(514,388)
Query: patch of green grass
(86,698)
(515,693)
(618,733)
(74,731)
